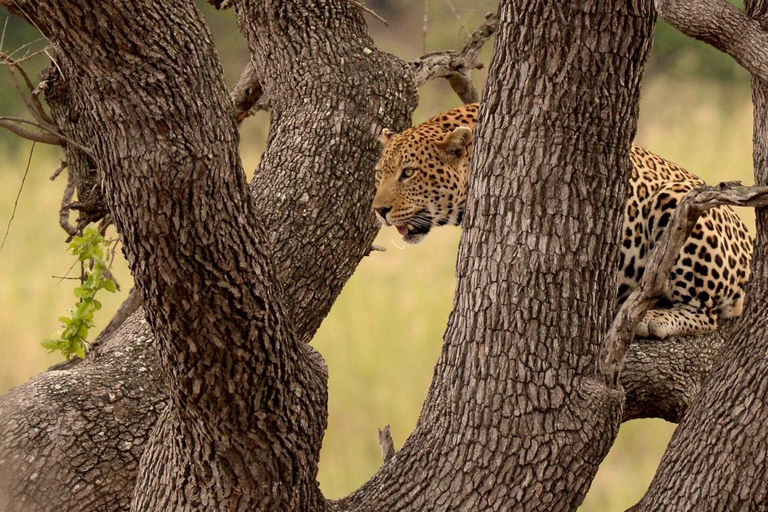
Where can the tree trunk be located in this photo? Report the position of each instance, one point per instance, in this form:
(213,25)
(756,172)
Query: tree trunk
(716,458)
(234,287)
(514,419)
(325,169)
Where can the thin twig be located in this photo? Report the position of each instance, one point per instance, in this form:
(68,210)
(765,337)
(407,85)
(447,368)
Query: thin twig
(26,47)
(38,107)
(58,170)
(5,29)
(459,19)
(455,66)
(18,195)
(426,22)
(32,103)
(369,11)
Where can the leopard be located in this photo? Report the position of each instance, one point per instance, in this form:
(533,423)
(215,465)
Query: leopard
(421,183)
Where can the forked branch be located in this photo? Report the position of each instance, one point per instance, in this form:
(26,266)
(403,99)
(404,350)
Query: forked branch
(457,66)
(655,281)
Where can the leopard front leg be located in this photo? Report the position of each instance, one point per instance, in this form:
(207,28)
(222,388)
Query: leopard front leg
(679,320)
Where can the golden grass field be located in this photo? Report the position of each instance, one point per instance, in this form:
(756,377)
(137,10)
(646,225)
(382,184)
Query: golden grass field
(384,334)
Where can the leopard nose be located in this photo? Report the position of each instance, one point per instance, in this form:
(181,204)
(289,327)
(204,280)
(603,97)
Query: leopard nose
(383,211)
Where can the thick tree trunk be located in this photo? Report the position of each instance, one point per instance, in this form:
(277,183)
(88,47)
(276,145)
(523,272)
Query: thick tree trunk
(514,419)
(320,168)
(716,458)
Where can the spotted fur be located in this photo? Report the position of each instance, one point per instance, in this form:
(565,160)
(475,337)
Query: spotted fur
(422,179)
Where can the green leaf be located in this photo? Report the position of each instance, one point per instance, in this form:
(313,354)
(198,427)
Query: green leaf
(89,249)
(50,344)
(81,292)
(79,350)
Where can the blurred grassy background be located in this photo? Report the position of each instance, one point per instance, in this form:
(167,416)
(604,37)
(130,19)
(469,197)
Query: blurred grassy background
(384,334)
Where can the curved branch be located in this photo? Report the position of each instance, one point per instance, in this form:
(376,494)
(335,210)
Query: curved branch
(46,137)
(723,26)
(661,377)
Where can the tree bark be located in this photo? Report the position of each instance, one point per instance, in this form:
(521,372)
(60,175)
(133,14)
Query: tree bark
(515,419)
(716,458)
(234,287)
(322,170)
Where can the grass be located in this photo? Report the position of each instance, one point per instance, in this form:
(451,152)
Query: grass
(384,334)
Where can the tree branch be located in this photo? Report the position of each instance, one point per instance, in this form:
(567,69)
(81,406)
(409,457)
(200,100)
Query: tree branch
(661,377)
(246,93)
(456,66)
(46,137)
(723,26)
(655,281)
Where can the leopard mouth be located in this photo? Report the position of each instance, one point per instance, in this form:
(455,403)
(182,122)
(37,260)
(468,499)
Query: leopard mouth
(409,229)
(416,228)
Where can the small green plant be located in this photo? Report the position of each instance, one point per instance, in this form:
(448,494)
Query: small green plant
(89,249)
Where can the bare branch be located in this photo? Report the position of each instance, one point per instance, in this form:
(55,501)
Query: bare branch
(723,26)
(51,137)
(426,25)
(18,195)
(31,101)
(456,66)
(655,281)
(661,377)
(45,138)
(58,171)
(66,198)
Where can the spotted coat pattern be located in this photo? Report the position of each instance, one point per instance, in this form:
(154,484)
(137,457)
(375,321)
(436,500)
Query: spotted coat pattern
(422,179)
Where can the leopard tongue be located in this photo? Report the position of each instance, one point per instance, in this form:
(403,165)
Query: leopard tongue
(403,230)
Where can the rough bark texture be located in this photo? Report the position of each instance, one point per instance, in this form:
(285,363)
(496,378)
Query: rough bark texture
(717,458)
(234,287)
(72,439)
(660,378)
(514,419)
(331,93)
(323,167)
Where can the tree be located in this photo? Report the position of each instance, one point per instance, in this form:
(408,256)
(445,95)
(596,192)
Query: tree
(216,400)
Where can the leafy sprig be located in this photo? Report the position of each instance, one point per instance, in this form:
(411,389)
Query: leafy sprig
(89,249)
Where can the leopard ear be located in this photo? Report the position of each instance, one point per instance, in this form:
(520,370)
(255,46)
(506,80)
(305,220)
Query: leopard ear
(386,136)
(456,142)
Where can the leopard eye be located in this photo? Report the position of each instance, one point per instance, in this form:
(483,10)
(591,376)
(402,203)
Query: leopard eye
(407,173)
